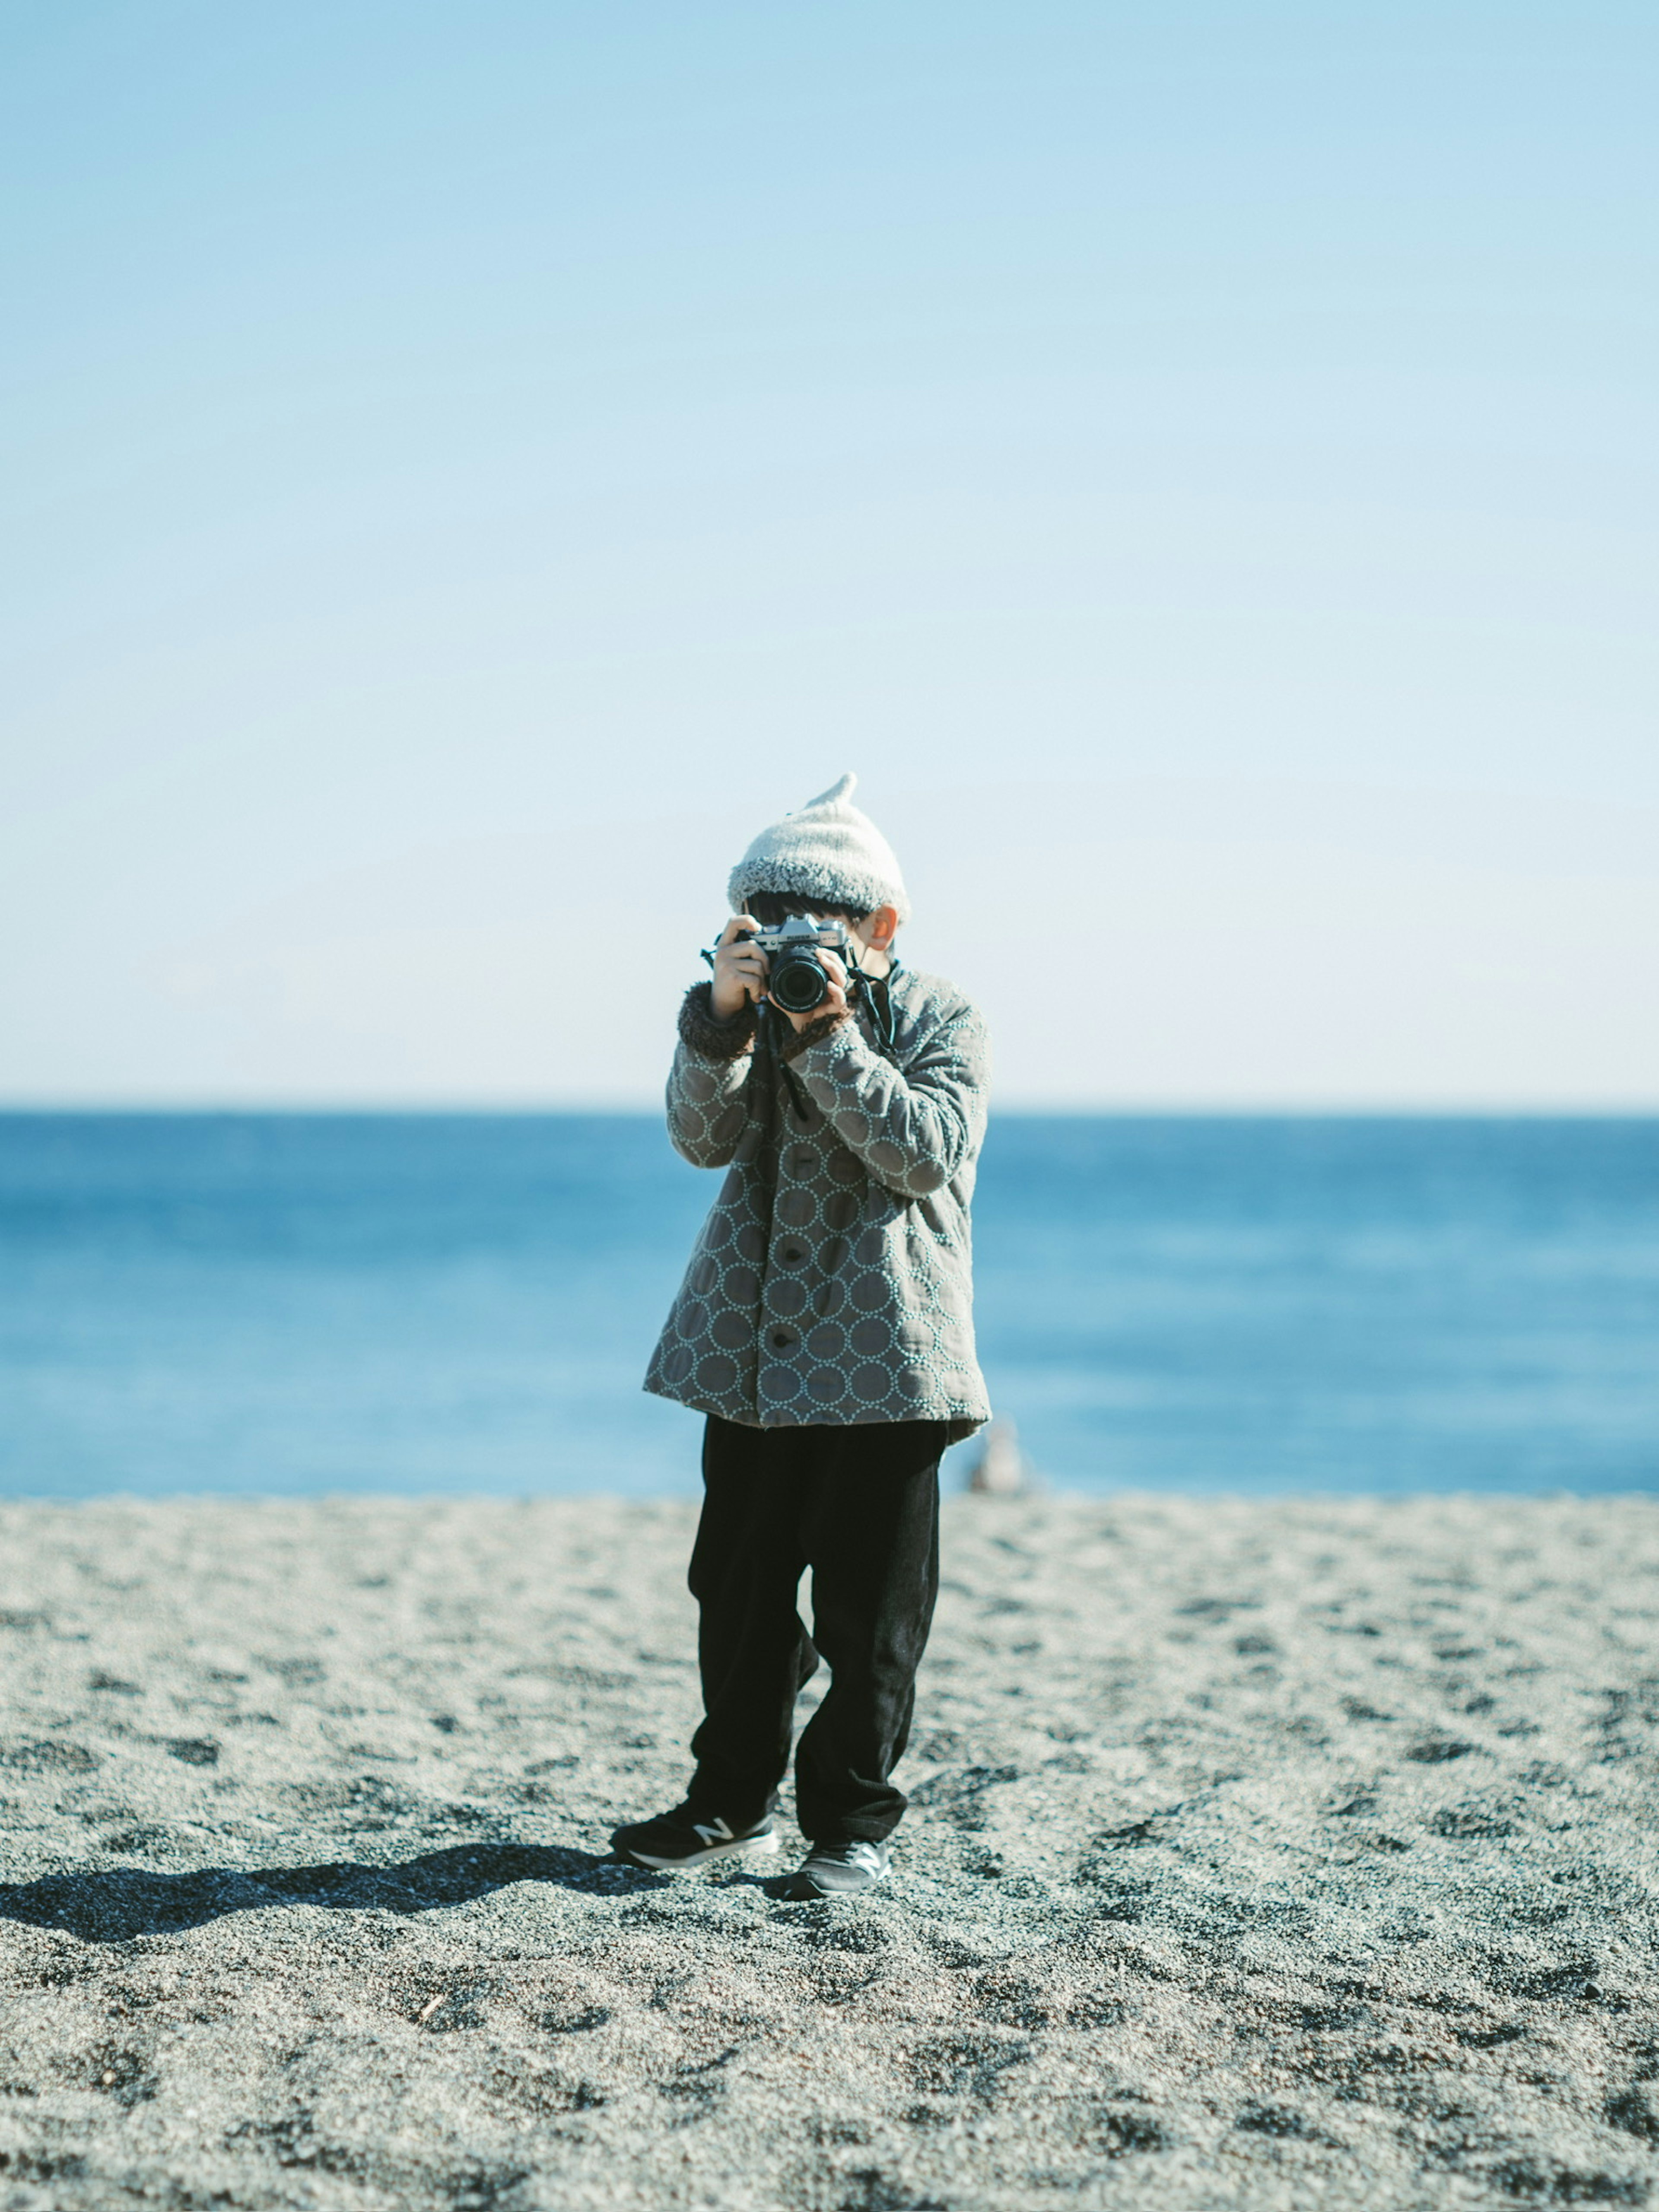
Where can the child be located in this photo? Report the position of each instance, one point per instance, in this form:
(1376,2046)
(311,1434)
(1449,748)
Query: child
(824,1328)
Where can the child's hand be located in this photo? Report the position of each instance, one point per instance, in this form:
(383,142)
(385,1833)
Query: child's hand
(739,971)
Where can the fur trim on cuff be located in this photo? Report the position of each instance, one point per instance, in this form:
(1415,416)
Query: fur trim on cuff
(814,1033)
(709,1039)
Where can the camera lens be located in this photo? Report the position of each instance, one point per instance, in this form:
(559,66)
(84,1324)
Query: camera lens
(798,983)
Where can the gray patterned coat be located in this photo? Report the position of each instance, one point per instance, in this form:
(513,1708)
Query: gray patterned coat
(832,1281)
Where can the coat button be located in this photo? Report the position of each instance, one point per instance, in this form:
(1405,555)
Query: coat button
(782,1340)
(791,1253)
(801,1161)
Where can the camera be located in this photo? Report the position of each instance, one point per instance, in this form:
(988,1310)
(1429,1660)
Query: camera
(795,977)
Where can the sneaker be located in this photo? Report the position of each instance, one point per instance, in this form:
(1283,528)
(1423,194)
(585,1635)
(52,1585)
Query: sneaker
(685,1838)
(840,1870)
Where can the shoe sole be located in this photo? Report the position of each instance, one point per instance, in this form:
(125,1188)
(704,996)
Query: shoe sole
(755,1846)
(805,1891)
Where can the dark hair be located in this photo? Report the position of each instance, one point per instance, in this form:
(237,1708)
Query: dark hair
(772,908)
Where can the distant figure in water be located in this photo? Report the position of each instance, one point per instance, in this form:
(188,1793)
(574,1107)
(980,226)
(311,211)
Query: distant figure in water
(824,1329)
(1002,1469)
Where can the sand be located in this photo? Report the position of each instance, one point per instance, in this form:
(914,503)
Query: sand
(1262,1855)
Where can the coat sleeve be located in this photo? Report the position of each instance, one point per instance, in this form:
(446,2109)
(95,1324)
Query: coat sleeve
(706,1106)
(913,1131)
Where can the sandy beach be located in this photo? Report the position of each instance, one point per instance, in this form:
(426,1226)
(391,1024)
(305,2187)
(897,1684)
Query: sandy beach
(1261,1855)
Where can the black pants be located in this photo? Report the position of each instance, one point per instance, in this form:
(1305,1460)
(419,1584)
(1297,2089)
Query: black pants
(859,1507)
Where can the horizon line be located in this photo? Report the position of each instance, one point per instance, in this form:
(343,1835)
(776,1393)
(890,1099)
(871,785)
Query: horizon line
(1035,1108)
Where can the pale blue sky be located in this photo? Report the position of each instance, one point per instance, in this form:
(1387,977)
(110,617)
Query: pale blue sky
(468,466)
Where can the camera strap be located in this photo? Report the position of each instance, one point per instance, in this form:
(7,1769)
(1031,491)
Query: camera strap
(879,997)
(768,1073)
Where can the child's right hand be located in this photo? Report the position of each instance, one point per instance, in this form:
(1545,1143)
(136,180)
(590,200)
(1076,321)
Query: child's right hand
(739,971)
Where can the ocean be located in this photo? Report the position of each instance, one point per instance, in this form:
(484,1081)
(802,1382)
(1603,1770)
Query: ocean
(308,1302)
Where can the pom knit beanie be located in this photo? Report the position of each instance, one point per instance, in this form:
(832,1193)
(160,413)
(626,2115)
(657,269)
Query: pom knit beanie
(829,850)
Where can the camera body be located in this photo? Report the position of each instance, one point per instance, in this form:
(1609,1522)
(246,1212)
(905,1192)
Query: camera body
(795,979)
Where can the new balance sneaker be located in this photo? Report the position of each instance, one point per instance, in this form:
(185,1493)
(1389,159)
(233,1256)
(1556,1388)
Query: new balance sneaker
(686,1837)
(839,1871)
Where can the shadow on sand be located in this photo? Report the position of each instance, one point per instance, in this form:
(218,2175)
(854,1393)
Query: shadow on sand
(114,1905)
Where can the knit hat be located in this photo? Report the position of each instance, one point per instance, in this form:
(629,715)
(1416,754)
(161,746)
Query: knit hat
(830,850)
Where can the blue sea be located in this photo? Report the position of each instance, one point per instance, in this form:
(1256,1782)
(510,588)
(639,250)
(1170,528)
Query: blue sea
(297,1304)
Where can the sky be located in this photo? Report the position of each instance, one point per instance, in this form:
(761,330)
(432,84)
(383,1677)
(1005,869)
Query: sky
(467,468)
